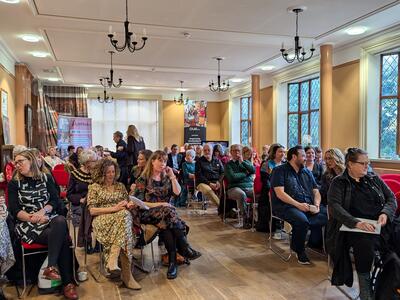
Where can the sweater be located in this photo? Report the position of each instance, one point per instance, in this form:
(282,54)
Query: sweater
(240,174)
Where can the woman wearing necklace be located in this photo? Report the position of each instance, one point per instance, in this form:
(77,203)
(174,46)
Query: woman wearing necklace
(112,223)
(76,193)
(155,187)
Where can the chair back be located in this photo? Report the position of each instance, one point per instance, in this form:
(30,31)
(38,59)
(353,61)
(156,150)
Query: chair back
(394,185)
(59,167)
(257,181)
(391,176)
(61,176)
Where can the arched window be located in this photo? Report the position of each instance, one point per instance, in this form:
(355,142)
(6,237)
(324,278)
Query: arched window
(245,120)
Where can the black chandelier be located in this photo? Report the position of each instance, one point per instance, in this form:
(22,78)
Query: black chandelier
(299,51)
(180,100)
(219,87)
(106,98)
(128,37)
(108,82)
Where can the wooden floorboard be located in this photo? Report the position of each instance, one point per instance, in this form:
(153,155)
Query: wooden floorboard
(236,264)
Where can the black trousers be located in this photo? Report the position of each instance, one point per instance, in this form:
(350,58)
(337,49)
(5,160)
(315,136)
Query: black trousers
(174,239)
(364,246)
(56,237)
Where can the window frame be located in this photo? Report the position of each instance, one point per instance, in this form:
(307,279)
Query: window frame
(248,120)
(389,97)
(299,112)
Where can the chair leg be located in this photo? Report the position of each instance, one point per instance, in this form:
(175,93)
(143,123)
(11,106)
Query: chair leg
(275,249)
(253,229)
(22,295)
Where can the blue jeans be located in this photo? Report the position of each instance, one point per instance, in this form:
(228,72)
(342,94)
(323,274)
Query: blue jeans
(301,223)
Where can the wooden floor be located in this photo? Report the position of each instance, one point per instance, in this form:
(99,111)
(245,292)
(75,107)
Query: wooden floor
(236,264)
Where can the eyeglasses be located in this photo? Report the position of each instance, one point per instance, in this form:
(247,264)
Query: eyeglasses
(20,161)
(363,163)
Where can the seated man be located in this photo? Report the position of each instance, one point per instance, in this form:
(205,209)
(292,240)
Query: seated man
(208,172)
(240,175)
(296,199)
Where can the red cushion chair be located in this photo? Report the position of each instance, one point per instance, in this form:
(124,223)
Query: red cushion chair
(62,179)
(391,176)
(394,185)
(397,195)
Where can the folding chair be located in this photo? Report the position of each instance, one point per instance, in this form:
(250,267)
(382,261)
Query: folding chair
(142,240)
(37,249)
(201,199)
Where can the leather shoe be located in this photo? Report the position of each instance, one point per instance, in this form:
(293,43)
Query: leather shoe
(192,254)
(70,292)
(51,273)
(172,272)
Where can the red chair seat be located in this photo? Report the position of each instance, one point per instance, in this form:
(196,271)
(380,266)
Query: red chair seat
(391,176)
(33,246)
(63,194)
(397,195)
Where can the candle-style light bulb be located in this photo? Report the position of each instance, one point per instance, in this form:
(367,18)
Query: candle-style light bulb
(144,32)
(110,29)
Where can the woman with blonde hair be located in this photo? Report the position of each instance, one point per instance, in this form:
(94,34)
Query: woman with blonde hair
(335,165)
(156,185)
(112,223)
(33,202)
(135,144)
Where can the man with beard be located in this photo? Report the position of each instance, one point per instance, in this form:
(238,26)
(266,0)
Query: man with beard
(296,199)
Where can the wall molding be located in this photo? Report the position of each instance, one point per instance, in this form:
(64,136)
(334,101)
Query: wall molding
(7,58)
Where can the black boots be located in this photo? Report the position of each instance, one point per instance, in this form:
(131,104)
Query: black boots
(184,248)
(172,272)
(364,280)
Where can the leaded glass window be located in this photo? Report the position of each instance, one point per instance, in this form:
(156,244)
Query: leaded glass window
(245,120)
(389,106)
(303,112)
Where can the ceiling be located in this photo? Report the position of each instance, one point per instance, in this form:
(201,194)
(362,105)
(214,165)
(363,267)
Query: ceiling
(247,33)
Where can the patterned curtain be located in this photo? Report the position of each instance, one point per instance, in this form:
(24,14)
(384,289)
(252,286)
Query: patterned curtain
(55,100)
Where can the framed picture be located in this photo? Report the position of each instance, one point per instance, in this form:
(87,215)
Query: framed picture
(6,155)
(28,124)
(4,103)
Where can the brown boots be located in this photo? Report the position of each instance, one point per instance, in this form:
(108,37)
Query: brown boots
(126,274)
(112,265)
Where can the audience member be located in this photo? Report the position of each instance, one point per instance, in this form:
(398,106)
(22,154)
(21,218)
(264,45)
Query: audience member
(112,223)
(199,151)
(240,174)
(33,198)
(79,149)
(142,159)
(155,187)
(70,150)
(99,151)
(247,153)
(354,195)
(276,158)
(226,157)
(135,144)
(77,191)
(265,150)
(217,151)
(51,160)
(9,168)
(121,156)
(209,171)
(167,150)
(256,158)
(312,165)
(188,172)
(175,160)
(319,156)
(335,166)
(296,199)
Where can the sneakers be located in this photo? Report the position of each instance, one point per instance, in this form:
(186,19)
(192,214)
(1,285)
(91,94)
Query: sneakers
(302,258)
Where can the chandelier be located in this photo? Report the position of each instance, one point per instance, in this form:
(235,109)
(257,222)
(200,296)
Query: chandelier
(219,87)
(108,82)
(106,98)
(130,41)
(299,51)
(180,100)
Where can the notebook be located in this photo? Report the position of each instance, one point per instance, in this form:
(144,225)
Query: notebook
(373,222)
(139,202)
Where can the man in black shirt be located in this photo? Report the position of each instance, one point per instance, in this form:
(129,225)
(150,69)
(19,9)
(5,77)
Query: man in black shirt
(296,199)
(121,155)
(208,172)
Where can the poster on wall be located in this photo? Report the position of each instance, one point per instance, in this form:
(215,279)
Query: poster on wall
(73,131)
(6,130)
(195,122)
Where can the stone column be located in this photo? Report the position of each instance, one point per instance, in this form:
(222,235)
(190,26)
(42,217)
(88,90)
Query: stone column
(256,122)
(326,96)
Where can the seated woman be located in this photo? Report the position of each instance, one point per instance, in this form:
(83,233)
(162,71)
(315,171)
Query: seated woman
(112,223)
(142,159)
(315,167)
(335,166)
(155,187)
(76,194)
(188,169)
(353,195)
(33,198)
